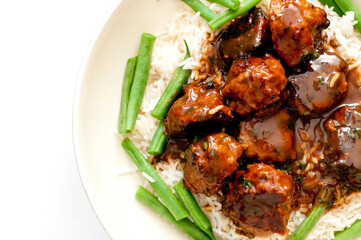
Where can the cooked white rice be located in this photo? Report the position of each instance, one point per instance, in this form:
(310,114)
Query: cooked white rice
(168,52)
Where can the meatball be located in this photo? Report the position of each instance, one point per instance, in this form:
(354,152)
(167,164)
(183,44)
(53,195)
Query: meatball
(260,200)
(200,107)
(243,36)
(254,84)
(268,139)
(209,161)
(321,86)
(174,150)
(344,129)
(296,26)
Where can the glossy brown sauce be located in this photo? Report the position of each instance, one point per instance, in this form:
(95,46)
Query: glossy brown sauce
(310,140)
(267,201)
(310,132)
(320,85)
(313,140)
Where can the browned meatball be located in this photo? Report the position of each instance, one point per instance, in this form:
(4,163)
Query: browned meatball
(344,127)
(254,84)
(268,139)
(343,149)
(243,36)
(260,200)
(200,107)
(321,86)
(209,161)
(296,26)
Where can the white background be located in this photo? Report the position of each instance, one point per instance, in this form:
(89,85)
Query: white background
(42,44)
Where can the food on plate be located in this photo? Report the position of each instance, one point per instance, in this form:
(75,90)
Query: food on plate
(209,161)
(321,85)
(260,200)
(259,130)
(296,27)
(201,107)
(242,36)
(254,84)
(268,139)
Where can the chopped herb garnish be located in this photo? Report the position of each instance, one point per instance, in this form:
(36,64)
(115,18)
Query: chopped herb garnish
(225,138)
(277,151)
(298,180)
(354,134)
(321,81)
(204,145)
(212,59)
(308,56)
(302,166)
(254,133)
(247,183)
(191,109)
(201,119)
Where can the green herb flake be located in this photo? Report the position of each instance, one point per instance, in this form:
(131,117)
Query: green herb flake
(224,138)
(277,151)
(254,133)
(204,145)
(321,82)
(191,109)
(308,56)
(247,183)
(302,166)
(212,59)
(354,134)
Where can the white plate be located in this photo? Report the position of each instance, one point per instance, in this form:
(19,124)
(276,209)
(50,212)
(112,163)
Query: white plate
(99,154)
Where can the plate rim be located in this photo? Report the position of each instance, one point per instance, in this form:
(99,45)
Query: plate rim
(99,29)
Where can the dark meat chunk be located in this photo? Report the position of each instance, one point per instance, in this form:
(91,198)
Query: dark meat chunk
(243,36)
(344,127)
(200,107)
(174,150)
(209,161)
(268,139)
(254,84)
(296,27)
(321,86)
(260,200)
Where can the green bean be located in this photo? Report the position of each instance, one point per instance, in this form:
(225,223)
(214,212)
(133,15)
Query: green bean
(232,4)
(322,201)
(184,225)
(172,90)
(348,5)
(157,183)
(198,6)
(196,213)
(140,79)
(127,84)
(349,233)
(331,3)
(158,141)
(230,14)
